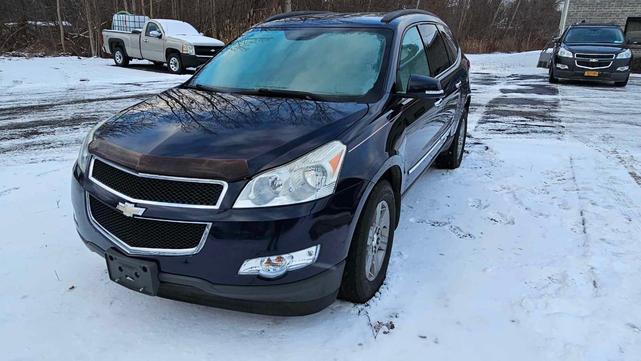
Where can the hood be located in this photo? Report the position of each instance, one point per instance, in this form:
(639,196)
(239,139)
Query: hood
(195,133)
(198,40)
(595,49)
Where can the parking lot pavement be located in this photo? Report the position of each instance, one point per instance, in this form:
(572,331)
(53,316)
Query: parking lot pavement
(529,251)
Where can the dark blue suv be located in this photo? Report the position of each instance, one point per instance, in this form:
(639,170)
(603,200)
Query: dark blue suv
(593,52)
(271,181)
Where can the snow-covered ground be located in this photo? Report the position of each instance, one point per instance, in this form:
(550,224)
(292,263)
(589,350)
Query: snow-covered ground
(529,251)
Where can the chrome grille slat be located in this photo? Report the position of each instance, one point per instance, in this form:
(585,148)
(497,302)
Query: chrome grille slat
(144,188)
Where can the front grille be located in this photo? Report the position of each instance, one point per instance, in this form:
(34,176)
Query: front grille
(594,65)
(595,56)
(147,233)
(207,50)
(145,188)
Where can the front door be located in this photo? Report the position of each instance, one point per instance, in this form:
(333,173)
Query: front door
(420,117)
(152,47)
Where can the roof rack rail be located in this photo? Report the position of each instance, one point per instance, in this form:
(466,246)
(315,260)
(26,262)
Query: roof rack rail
(294,14)
(398,13)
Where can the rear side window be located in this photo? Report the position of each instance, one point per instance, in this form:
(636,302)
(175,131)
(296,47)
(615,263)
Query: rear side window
(450,43)
(413,59)
(436,51)
(151,27)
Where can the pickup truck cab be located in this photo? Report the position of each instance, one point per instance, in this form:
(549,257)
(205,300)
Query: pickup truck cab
(174,42)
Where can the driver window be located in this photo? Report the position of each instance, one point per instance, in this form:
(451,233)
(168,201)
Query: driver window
(413,59)
(151,27)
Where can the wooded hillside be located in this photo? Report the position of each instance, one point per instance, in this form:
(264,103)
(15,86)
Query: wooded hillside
(51,27)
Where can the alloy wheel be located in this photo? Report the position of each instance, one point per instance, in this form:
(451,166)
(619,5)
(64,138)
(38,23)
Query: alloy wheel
(377,240)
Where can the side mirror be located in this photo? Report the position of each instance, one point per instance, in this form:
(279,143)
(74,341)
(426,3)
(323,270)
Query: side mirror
(136,31)
(155,34)
(424,87)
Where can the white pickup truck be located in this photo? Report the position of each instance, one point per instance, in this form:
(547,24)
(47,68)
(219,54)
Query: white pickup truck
(176,43)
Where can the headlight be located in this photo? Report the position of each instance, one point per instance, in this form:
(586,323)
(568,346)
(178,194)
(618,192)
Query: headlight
(276,266)
(310,177)
(565,53)
(188,49)
(626,54)
(83,155)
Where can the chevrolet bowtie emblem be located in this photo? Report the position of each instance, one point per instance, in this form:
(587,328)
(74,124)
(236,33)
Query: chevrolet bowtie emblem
(129,209)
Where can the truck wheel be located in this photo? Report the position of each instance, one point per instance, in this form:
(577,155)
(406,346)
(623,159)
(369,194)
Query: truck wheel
(371,246)
(453,156)
(175,64)
(120,58)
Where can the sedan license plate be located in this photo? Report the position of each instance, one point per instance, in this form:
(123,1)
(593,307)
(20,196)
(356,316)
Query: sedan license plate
(591,73)
(136,274)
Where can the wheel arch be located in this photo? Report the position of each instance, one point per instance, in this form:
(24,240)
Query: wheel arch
(114,43)
(391,170)
(170,51)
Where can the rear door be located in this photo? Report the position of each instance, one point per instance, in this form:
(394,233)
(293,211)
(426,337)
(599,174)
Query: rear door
(153,48)
(452,79)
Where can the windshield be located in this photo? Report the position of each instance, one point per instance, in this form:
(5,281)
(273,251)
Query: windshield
(173,27)
(609,35)
(336,63)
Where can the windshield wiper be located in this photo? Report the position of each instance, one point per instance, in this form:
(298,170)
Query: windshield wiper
(201,87)
(284,93)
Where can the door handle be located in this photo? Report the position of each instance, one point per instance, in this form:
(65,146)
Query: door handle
(145,40)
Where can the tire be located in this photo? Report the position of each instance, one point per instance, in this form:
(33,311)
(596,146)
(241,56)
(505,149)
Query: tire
(175,63)
(453,156)
(621,84)
(120,57)
(358,284)
(551,78)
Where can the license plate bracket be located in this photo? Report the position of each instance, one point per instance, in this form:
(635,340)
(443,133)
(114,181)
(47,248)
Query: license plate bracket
(591,73)
(136,274)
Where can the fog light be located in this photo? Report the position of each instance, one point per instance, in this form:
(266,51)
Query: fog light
(561,66)
(275,266)
(623,68)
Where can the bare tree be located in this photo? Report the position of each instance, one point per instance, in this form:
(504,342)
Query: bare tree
(92,45)
(61,25)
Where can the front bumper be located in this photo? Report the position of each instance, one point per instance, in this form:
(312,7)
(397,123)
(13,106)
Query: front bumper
(210,276)
(192,61)
(575,72)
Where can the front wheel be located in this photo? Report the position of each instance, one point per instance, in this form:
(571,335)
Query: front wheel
(453,156)
(621,84)
(551,78)
(120,58)
(371,246)
(175,64)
